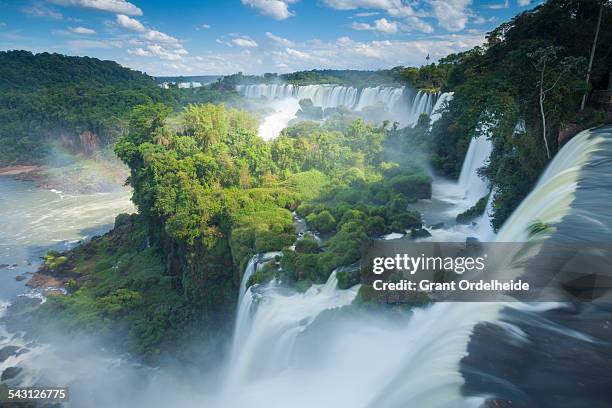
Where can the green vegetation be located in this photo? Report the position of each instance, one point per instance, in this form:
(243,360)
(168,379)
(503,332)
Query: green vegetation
(473,212)
(497,86)
(54,259)
(216,189)
(431,78)
(81,102)
(47,97)
(121,291)
(210,195)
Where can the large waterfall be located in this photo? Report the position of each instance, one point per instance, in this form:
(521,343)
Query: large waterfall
(402,104)
(304,350)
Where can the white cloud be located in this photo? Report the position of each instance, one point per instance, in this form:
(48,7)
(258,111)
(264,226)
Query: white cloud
(523,3)
(113,6)
(151,43)
(498,6)
(279,40)
(130,23)
(79,45)
(139,52)
(348,53)
(479,20)
(41,11)
(202,26)
(341,53)
(277,9)
(243,42)
(381,25)
(297,54)
(2,24)
(163,53)
(452,15)
(369,14)
(361,26)
(412,19)
(355,4)
(158,36)
(82,30)
(414,23)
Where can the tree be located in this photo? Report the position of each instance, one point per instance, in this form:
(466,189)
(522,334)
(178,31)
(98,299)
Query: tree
(551,69)
(593,48)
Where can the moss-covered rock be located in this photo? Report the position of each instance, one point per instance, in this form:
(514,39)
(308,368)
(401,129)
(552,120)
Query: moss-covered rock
(263,275)
(419,233)
(348,276)
(473,212)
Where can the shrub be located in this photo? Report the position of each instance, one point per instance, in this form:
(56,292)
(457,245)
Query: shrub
(307,245)
(323,221)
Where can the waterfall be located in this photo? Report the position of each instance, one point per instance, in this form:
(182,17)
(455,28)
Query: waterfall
(265,337)
(470,184)
(470,187)
(485,231)
(333,96)
(402,104)
(253,266)
(441,104)
(301,350)
(554,193)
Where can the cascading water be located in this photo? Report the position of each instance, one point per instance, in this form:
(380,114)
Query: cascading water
(300,350)
(470,187)
(441,104)
(485,231)
(470,184)
(402,104)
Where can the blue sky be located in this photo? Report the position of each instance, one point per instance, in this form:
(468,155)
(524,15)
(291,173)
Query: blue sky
(197,37)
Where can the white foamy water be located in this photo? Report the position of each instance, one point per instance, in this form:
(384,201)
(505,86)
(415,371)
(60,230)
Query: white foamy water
(402,104)
(304,350)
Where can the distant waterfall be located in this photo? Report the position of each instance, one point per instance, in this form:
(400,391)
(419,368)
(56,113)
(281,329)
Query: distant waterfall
(402,103)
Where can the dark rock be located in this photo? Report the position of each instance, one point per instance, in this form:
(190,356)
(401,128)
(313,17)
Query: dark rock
(468,216)
(472,243)
(439,225)
(2,266)
(7,352)
(19,278)
(10,373)
(420,233)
